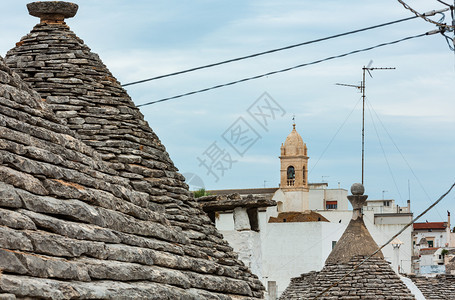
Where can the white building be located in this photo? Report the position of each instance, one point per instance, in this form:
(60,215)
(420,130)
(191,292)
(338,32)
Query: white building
(429,241)
(297,235)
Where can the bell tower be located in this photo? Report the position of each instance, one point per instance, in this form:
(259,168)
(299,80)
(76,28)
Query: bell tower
(294,163)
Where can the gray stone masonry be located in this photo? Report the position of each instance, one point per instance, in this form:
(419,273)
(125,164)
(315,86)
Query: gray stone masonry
(439,287)
(215,203)
(374,279)
(72,227)
(91,205)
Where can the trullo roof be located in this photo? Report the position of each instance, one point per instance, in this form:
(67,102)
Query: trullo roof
(91,206)
(374,279)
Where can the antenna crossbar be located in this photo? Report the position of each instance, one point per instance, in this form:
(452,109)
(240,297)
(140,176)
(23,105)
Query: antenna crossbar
(351,85)
(388,68)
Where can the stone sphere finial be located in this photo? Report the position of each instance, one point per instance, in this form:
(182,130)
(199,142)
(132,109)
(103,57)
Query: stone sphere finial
(357,189)
(52,11)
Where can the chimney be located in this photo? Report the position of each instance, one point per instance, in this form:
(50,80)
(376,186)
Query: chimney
(448,219)
(448,230)
(52,12)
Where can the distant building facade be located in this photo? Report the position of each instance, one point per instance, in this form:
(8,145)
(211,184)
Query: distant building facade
(297,235)
(433,247)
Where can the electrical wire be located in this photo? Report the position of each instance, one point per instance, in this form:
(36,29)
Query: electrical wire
(405,160)
(442,2)
(385,244)
(273,50)
(424,16)
(370,108)
(449,40)
(287,69)
(334,136)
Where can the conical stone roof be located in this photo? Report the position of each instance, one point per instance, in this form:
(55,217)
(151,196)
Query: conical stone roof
(91,205)
(441,286)
(374,279)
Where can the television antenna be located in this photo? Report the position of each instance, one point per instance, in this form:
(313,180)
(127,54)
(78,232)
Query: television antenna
(361,87)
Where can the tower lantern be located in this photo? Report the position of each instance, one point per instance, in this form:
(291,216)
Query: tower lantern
(294,163)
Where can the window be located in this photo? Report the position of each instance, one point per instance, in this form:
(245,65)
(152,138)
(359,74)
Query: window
(291,172)
(331,205)
(430,244)
(303,175)
(333,244)
(291,176)
(280,206)
(386,203)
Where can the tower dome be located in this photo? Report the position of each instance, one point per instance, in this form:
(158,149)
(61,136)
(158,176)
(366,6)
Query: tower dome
(294,144)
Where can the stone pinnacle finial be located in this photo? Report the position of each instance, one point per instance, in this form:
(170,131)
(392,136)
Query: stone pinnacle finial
(357,189)
(357,200)
(356,239)
(52,11)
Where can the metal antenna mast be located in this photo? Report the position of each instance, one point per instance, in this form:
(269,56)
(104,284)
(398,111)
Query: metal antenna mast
(361,87)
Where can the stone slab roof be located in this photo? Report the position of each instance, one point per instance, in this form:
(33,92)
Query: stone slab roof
(230,202)
(289,217)
(265,192)
(427,251)
(374,279)
(356,240)
(91,205)
(441,286)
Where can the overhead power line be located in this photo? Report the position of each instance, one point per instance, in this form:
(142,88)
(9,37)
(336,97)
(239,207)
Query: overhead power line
(430,13)
(442,2)
(424,16)
(334,136)
(287,69)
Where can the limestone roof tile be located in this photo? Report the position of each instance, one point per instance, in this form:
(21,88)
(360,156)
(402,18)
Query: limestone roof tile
(441,286)
(91,204)
(374,279)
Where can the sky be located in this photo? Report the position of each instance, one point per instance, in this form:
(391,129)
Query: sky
(218,140)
